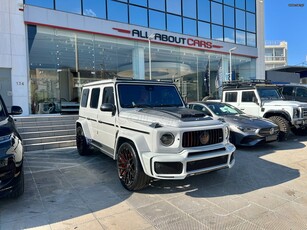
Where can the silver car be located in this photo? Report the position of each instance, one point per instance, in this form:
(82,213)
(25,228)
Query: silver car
(245,130)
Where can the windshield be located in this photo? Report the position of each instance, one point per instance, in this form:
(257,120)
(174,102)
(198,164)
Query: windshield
(269,94)
(141,96)
(221,109)
(2,112)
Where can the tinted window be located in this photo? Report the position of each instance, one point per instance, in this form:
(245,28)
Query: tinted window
(189,26)
(157,4)
(251,22)
(94,98)
(240,19)
(174,23)
(204,10)
(148,96)
(108,96)
(288,91)
(94,8)
(138,16)
(84,97)
(217,32)
(229,35)
(204,30)
(45,3)
(117,11)
(157,20)
(139,2)
(301,92)
(174,6)
(250,5)
(217,13)
(71,6)
(2,111)
(229,16)
(248,96)
(189,8)
(231,97)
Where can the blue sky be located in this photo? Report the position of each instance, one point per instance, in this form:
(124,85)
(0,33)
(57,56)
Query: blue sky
(285,23)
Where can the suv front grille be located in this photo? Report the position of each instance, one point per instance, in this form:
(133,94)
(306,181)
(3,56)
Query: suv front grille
(304,111)
(192,139)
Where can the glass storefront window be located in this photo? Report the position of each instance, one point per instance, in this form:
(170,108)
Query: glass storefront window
(157,4)
(251,22)
(217,13)
(71,6)
(189,8)
(240,37)
(229,35)
(217,32)
(46,4)
(117,11)
(138,16)
(157,20)
(251,6)
(251,39)
(240,4)
(174,23)
(173,6)
(229,2)
(138,2)
(94,8)
(204,30)
(189,26)
(240,19)
(203,8)
(229,16)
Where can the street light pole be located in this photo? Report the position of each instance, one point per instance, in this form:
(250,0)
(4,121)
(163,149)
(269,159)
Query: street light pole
(149,53)
(230,64)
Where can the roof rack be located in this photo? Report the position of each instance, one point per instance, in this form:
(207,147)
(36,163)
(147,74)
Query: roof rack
(249,83)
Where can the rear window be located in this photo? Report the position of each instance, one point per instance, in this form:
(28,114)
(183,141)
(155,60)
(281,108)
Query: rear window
(84,97)
(231,97)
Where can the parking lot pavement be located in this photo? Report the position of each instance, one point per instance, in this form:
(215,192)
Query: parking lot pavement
(266,189)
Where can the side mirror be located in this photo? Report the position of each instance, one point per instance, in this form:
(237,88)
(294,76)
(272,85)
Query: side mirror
(16,110)
(108,107)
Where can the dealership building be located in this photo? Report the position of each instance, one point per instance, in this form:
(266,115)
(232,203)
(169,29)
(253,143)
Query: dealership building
(50,48)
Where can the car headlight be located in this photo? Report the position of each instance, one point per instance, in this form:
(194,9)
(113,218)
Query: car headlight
(296,113)
(167,139)
(247,130)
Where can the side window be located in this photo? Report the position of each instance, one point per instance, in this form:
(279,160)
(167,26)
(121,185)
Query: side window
(94,98)
(248,96)
(108,95)
(84,97)
(287,91)
(301,92)
(231,97)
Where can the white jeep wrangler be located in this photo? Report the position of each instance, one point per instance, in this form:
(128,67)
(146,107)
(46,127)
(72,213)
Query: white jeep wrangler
(146,127)
(260,98)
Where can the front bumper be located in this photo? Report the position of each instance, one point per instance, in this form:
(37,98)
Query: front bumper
(188,162)
(300,123)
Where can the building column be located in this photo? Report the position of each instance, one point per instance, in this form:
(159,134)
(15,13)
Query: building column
(138,63)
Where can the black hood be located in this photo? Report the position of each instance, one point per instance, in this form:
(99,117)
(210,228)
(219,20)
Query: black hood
(183,114)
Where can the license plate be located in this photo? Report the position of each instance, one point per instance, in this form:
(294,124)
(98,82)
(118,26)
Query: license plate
(271,138)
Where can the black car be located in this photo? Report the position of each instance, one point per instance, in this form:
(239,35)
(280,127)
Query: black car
(11,154)
(245,130)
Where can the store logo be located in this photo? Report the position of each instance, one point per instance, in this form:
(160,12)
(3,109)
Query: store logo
(171,39)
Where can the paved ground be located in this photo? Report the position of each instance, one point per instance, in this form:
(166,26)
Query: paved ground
(267,189)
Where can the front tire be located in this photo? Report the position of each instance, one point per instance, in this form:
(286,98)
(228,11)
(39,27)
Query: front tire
(130,170)
(82,145)
(20,186)
(283,126)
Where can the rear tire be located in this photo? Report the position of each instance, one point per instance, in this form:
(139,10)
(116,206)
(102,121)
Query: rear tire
(129,168)
(82,145)
(283,126)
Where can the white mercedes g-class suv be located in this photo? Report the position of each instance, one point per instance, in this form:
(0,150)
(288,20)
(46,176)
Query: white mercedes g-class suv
(146,127)
(261,98)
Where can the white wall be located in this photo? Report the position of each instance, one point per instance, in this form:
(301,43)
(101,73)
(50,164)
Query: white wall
(13,50)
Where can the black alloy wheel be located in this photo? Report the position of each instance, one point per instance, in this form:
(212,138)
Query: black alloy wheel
(130,171)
